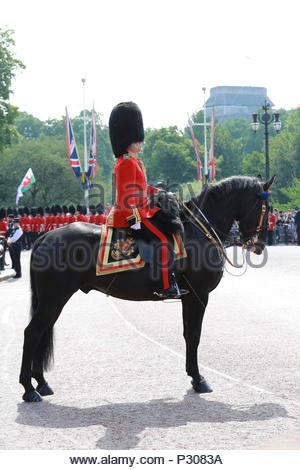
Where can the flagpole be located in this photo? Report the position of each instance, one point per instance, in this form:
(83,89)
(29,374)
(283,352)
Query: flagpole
(205,143)
(86,191)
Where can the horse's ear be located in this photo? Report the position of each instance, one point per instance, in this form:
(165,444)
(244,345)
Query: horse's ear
(269,183)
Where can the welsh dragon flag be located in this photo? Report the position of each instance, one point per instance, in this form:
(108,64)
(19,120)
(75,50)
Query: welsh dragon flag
(26,184)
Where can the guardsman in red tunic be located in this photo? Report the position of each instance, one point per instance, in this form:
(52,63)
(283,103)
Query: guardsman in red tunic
(92,217)
(42,221)
(132,206)
(82,217)
(65,215)
(100,218)
(72,216)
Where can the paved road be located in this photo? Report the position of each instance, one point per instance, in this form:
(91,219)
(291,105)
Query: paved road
(119,375)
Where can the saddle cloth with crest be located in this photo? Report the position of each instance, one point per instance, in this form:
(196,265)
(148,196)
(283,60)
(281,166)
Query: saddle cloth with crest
(119,251)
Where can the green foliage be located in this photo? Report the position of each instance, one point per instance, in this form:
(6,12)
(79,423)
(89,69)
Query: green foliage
(8,66)
(292,195)
(47,157)
(168,153)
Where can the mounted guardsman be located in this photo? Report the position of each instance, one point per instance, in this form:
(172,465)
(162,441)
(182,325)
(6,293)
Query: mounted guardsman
(132,207)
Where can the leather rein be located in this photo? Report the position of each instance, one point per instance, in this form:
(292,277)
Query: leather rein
(211,234)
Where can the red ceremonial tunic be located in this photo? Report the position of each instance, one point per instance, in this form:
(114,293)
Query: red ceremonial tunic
(42,224)
(131,192)
(3,228)
(37,224)
(272,221)
(71,219)
(100,219)
(82,218)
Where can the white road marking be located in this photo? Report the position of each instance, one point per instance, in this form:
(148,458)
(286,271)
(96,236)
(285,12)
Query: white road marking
(175,353)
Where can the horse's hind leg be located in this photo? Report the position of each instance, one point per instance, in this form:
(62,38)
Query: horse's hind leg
(38,364)
(38,347)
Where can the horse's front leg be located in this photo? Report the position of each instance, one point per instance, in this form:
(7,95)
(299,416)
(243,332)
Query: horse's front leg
(193,308)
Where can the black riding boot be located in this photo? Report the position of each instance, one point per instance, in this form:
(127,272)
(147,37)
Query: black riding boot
(173,292)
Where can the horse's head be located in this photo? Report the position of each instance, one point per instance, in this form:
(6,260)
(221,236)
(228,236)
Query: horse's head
(253,220)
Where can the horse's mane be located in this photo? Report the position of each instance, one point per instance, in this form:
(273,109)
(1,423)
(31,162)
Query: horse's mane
(228,185)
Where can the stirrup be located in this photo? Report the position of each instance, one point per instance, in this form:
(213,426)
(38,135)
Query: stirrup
(173,292)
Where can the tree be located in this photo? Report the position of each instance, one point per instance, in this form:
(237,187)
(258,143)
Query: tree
(54,182)
(8,66)
(168,153)
(29,126)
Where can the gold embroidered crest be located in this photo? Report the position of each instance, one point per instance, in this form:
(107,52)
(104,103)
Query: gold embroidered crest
(123,248)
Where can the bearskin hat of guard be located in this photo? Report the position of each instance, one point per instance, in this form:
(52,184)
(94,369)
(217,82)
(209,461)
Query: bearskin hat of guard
(100,209)
(125,127)
(21,210)
(40,210)
(47,210)
(58,209)
(65,209)
(2,213)
(92,209)
(79,208)
(72,209)
(53,210)
(84,210)
(33,211)
(26,210)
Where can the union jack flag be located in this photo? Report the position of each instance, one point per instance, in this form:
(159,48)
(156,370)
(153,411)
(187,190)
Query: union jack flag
(91,173)
(72,149)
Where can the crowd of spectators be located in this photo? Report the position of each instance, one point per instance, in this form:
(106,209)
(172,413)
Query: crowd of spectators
(283,228)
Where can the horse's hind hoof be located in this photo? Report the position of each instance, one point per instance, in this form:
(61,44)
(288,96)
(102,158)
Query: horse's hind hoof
(45,390)
(201,386)
(32,397)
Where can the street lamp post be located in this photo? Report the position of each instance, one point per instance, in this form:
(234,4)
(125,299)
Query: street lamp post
(266,119)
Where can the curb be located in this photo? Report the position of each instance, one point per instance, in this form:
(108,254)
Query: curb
(6,274)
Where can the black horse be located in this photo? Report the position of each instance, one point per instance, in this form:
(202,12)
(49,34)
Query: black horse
(63,261)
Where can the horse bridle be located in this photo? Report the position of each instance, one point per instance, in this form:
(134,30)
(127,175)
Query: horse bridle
(250,242)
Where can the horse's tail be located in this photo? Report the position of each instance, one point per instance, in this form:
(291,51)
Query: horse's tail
(44,351)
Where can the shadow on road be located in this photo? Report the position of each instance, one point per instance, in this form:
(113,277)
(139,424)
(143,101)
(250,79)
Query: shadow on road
(123,422)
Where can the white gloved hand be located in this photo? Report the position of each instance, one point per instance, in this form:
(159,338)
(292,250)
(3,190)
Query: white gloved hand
(136,226)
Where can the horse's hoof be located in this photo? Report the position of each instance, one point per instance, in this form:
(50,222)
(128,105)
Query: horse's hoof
(32,396)
(45,390)
(201,386)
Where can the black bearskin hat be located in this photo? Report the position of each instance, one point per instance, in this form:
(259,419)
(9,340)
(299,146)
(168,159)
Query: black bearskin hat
(125,127)
(53,210)
(100,209)
(15,213)
(40,211)
(92,209)
(47,210)
(84,210)
(21,210)
(58,209)
(26,210)
(2,213)
(72,209)
(64,209)
(33,211)
(79,208)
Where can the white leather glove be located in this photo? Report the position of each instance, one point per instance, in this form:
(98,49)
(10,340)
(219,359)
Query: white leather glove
(136,226)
